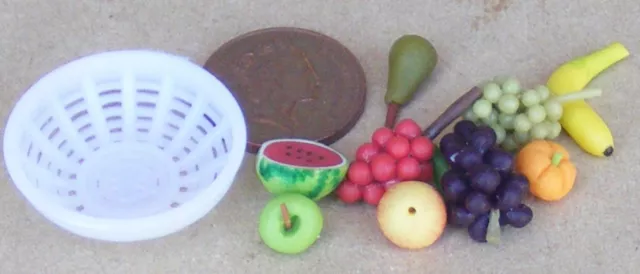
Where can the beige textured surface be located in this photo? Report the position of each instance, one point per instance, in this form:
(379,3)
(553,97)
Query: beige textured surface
(595,230)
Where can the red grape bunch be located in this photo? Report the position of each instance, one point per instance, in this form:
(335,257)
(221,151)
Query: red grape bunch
(392,156)
(481,189)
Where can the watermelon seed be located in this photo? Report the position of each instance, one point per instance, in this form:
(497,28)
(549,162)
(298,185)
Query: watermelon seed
(299,150)
(309,153)
(288,153)
(288,146)
(320,157)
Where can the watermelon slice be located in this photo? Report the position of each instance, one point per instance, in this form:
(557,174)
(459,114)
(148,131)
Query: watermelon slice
(301,166)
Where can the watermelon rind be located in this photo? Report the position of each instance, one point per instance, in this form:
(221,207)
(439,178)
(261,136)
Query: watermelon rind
(313,182)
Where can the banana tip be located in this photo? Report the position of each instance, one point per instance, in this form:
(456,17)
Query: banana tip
(608,152)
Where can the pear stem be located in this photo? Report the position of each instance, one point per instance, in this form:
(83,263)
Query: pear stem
(556,158)
(392,114)
(285,216)
(580,95)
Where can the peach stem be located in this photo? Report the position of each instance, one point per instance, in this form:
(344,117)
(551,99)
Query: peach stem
(285,216)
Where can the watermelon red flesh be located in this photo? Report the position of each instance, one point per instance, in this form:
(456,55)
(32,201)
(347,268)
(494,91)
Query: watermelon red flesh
(301,154)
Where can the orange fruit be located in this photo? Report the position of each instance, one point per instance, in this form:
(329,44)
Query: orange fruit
(548,168)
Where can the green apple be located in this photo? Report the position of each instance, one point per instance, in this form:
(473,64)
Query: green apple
(290,223)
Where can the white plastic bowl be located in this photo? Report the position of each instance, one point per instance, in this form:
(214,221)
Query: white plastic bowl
(125,145)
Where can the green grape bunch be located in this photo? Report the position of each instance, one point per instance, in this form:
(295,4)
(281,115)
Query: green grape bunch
(517,115)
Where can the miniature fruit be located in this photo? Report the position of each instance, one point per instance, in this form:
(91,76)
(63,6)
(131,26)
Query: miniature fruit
(408,169)
(517,217)
(411,61)
(549,169)
(349,192)
(579,120)
(381,136)
(408,128)
(383,167)
(484,178)
(477,203)
(359,173)
(300,166)
(392,156)
(520,115)
(422,148)
(290,223)
(371,194)
(366,151)
(398,147)
(576,74)
(412,215)
(426,172)
(486,228)
(481,184)
(455,188)
(389,184)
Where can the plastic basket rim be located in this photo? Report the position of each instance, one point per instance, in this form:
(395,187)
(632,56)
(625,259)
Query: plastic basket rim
(135,229)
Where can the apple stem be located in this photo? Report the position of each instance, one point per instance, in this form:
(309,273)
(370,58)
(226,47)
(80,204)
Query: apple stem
(285,216)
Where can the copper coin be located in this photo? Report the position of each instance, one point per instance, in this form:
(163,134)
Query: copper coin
(292,83)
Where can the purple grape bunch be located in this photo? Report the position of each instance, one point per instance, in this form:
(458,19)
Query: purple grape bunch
(482,191)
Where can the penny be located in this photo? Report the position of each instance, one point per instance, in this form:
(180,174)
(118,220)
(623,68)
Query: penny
(292,83)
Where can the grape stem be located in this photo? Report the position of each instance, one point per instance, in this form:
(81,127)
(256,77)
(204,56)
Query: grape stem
(493,228)
(453,112)
(580,95)
(285,216)
(556,158)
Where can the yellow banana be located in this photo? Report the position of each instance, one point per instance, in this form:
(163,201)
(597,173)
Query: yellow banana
(579,120)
